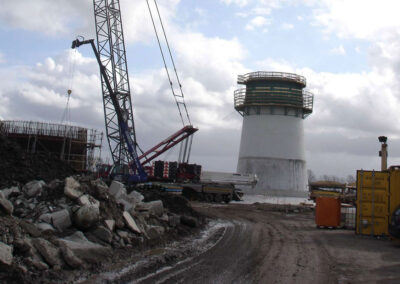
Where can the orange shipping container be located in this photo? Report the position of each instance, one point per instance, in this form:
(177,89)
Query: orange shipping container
(327,212)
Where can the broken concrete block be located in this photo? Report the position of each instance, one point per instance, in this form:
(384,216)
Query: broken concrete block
(130,223)
(6,206)
(136,196)
(45,228)
(7,191)
(123,200)
(103,234)
(30,228)
(110,224)
(48,251)
(84,249)
(39,265)
(45,218)
(6,256)
(123,234)
(71,188)
(61,220)
(23,245)
(70,258)
(86,199)
(153,207)
(86,216)
(117,189)
(33,188)
(154,232)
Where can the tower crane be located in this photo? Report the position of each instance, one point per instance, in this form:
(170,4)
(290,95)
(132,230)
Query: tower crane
(119,121)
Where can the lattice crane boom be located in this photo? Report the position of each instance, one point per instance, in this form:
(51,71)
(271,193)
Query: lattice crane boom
(111,49)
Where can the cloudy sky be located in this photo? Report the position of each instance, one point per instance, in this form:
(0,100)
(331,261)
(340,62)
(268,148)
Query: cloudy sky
(349,51)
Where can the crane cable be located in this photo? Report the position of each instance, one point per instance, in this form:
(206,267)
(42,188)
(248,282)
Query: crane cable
(165,64)
(66,116)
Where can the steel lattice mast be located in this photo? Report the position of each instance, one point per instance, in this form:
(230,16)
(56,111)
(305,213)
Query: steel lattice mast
(111,48)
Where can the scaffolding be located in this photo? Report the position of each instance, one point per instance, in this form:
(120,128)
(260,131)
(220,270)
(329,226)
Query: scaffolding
(78,146)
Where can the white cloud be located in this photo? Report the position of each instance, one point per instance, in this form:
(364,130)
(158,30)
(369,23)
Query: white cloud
(338,50)
(287,26)
(257,22)
(240,3)
(300,18)
(372,19)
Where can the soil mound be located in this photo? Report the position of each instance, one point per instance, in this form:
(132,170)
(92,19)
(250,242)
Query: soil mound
(18,166)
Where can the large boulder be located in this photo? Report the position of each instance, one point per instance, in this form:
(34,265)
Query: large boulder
(71,188)
(153,207)
(86,216)
(6,206)
(33,188)
(6,256)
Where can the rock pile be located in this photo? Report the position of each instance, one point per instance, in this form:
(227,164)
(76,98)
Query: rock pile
(70,224)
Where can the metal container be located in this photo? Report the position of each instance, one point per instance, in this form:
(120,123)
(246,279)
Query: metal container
(373,192)
(327,212)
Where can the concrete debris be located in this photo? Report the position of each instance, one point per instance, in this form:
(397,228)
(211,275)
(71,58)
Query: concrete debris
(7,191)
(41,234)
(61,220)
(130,223)
(33,188)
(45,228)
(30,228)
(71,188)
(153,207)
(110,224)
(85,249)
(103,234)
(48,251)
(70,258)
(6,206)
(86,216)
(117,189)
(88,200)
(155,232)
(6,256)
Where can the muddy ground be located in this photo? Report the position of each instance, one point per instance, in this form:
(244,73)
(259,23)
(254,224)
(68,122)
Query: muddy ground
(261,244)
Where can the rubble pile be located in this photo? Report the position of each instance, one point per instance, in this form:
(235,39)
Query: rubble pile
(16,165)
(79,222)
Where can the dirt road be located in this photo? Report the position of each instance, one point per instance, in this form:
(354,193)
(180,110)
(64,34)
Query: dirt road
(265,244)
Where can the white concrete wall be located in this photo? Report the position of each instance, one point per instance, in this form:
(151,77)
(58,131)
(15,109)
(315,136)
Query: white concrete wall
(272,146)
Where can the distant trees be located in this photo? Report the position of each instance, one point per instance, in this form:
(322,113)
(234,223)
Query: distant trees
(312,177)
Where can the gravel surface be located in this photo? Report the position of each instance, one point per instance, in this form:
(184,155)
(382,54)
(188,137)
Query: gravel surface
(265,243)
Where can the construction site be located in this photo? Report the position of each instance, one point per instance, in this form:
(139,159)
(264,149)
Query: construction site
(83,205)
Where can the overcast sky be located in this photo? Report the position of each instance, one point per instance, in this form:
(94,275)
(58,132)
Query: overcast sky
(349,51)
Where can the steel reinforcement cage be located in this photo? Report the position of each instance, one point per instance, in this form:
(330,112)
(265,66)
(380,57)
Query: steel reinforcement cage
(90,139)
(265,96)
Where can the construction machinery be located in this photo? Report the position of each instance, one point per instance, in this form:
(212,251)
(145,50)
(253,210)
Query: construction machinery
(120,128)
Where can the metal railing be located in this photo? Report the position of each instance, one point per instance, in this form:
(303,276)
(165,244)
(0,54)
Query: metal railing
(242,79)
(242,99)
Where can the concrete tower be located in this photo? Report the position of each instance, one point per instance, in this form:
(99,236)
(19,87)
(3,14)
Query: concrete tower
(273,106)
